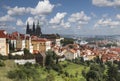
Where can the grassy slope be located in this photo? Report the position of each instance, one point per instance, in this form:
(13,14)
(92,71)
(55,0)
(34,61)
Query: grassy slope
(9,65)
(71,69)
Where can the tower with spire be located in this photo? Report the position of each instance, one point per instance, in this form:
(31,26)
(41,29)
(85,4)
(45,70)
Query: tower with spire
(38,30)
(33,29)
(28,28)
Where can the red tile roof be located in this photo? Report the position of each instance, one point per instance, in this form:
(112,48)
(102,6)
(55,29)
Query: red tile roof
(15,33)
(107,57)
(115,49)
(73,51)
(40,40)
(35,51)
(3,34)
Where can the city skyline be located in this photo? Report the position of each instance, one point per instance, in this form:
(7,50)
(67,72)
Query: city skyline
(82,17)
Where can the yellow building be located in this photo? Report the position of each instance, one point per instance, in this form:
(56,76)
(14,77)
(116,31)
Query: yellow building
(41,45)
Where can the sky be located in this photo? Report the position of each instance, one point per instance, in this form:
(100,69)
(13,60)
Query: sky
(82,17)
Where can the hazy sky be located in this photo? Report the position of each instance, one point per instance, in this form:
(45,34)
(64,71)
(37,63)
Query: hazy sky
(84,17)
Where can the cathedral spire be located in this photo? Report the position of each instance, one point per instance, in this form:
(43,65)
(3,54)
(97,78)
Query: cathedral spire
(27,29)
(38,29)
(33,30)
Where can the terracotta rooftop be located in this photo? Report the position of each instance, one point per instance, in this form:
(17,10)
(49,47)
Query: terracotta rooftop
(115,49)
(3,34)
(40,39)
(72,50)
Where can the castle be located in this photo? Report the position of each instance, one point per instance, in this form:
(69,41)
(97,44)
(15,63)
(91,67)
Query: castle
(36,31)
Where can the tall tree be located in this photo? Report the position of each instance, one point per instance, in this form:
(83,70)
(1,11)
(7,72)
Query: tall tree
(13,46)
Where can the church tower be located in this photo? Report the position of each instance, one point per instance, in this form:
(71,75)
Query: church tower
(38,30)
(27,29)
(33,29)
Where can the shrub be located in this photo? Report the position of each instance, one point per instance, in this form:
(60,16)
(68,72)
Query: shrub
(64,65)
(3,57)
(57,67)
(50,77)
(2,63)
(66,74)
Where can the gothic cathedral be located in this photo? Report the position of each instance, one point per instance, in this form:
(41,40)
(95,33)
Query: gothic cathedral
(36,29)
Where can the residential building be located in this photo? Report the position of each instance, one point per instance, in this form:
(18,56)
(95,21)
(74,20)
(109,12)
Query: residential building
(4,45)
(20,41)
(70,54)
(57,41)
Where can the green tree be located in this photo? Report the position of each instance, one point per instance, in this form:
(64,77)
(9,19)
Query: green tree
(13,47)
(94,75)
(67,41)
(52,61)
(3,57)
(24,73)
(27,54)
(50,77)
(17,75)
(112,72)
(2,63)
(97,60)
(84,73)
(26,51)
(49,58)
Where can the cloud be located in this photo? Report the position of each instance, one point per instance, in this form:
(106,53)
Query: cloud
(107,23)
(58,21)
(93,15)
(108,3)
(65,24)
(58,18)
(7,18)
(7,27)
(76,20)
(58,5)
(2,24)
(79,19)
(42,20)
(42,8)
(30,20)
(17,11)
(20,22)
(118,16)
(79,16)
(105,15)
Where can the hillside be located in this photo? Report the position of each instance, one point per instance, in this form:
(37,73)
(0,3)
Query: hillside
(71,68)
